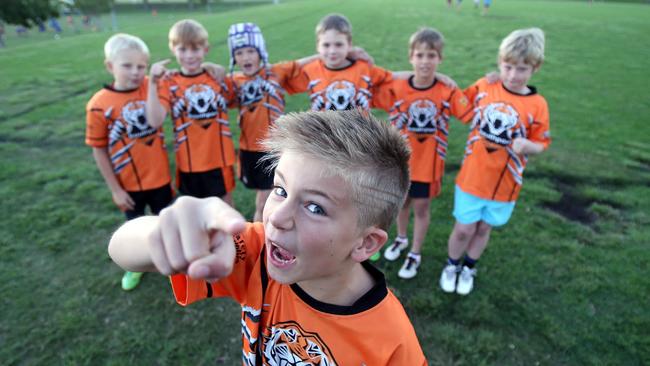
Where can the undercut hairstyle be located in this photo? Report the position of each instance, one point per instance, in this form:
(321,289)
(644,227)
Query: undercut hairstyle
(121,42)
(188,32)
(368,154)
(429,37)
(337,22)
(525,45)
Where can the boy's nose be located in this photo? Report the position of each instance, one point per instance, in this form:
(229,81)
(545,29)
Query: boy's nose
(281,216)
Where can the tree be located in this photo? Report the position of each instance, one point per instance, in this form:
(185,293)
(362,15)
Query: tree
(94,6)
(28,12)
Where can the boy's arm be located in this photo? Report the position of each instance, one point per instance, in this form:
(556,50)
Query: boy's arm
(156,113)
(192,236)
(121,197)
(443,78)
(522,145)
(216,71)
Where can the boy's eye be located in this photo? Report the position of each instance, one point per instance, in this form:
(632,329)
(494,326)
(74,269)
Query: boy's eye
(279,191)
(315,209)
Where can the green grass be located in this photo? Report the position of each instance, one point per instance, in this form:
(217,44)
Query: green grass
(551,290)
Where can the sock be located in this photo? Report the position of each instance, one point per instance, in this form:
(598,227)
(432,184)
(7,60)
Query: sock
(469,262)
(453,262)
(415,256)
(403,239)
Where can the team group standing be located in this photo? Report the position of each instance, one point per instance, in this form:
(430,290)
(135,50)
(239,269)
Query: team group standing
(290,159)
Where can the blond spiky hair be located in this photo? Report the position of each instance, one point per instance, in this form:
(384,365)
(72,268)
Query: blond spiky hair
(122,41)
(368,154)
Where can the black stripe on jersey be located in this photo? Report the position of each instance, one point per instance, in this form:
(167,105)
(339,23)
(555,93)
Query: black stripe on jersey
(96,110)
(514,188)
(208,285)
(503,172)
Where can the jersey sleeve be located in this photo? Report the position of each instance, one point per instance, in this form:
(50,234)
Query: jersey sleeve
(248,246)
(233,102)
(229,92)
(299,83)
(288,73)
(384,96)
(96,125)
(471,92)
(540,131)
(379,77)
(459,104)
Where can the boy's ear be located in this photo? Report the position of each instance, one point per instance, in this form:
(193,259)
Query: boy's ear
(373,239)
(109,66)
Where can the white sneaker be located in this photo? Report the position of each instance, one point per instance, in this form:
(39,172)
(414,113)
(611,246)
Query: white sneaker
(409,268)
(448,278)
(466,281)
(394,250)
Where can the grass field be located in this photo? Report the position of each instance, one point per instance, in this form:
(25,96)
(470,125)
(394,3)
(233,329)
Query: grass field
(565,283)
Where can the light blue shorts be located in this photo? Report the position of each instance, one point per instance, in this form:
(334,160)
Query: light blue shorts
(469,209)
(487,3)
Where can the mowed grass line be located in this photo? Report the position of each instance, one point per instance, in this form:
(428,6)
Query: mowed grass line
(563,283)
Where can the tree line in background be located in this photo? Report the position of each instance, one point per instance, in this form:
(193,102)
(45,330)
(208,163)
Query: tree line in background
(29,13)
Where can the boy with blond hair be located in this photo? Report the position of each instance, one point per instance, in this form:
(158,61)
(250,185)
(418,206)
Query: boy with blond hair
(509,123)
(205,153)
(420,107)
(308,294)
(129,153)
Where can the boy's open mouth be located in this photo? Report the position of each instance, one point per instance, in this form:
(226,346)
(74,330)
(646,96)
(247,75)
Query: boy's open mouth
(281,255)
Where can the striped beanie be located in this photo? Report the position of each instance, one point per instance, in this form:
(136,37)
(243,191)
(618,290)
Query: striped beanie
(246,35)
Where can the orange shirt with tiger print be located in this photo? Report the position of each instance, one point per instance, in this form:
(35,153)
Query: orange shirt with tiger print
(260,99)
(116,120)
(340,89)
(491,169)
(199,108)
(281,324)
(422,115)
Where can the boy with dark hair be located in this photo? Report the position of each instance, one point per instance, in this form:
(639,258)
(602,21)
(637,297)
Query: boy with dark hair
(421,107)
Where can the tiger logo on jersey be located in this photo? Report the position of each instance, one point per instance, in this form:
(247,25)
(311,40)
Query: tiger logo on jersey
(340,95)
(497,123)
(422,117)
(203,103)
(136,121)
(288,344)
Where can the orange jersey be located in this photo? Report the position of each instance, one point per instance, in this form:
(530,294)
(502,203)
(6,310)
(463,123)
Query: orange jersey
(422,115)
(281,324)
(116,120)
(341,89)
(260,98)
(491,169)
(198,106)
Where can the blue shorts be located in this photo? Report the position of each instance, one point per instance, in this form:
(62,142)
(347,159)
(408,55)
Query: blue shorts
(469,209)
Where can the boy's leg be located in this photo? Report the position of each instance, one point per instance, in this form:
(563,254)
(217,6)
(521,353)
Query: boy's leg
(479,241)
(160,198)
(130,280)
(260,200)
(420,226)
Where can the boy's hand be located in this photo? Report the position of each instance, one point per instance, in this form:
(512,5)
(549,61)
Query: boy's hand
(522,145)
(358,53)
(492,77)
(446,80)
(195,236)
(158,70)
(217,72)
(123,200)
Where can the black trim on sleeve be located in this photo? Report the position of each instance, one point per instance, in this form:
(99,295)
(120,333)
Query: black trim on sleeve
(209,286)
(369,300)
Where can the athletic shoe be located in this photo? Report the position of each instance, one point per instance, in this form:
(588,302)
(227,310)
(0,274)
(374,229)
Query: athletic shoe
(466,281)
(375,257)
(394,250)
(448,278)
(410,267)
(130,280)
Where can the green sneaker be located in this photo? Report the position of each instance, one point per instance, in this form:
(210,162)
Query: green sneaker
(375,257)
(130,280)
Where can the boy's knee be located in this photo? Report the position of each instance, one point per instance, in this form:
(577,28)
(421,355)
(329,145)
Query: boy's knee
(483,228)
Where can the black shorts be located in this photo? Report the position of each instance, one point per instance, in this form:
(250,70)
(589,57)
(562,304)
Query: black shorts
(156,199)
(424,190)
(213,183)
(254,172)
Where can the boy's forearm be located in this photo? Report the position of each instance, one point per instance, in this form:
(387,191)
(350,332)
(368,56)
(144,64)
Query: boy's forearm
(155,111)
(305,60)
(129,245)
(106,169)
